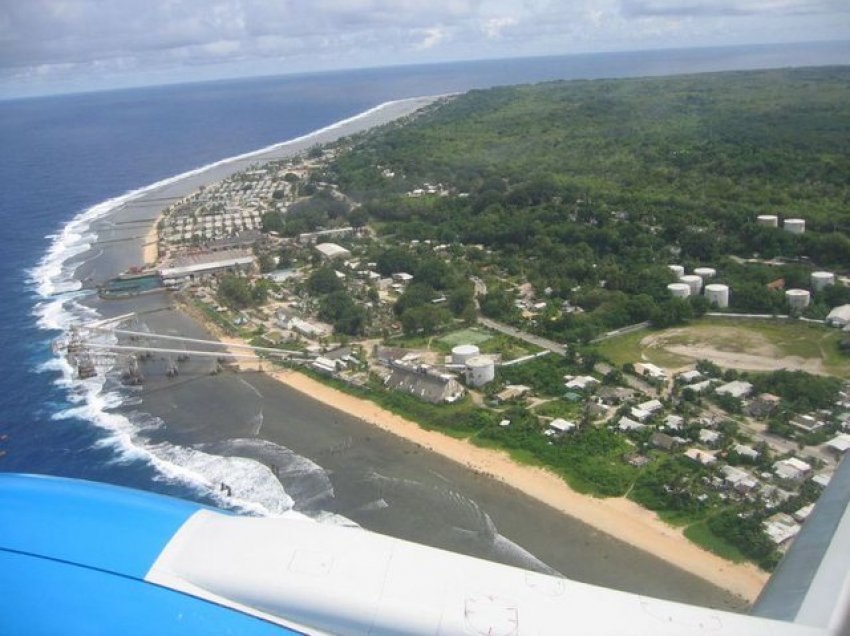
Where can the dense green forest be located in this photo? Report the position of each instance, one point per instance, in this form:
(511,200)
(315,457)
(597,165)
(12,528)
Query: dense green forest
(588,189)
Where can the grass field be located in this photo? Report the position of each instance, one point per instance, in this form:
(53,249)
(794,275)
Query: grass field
(466,336)
(702,536)
(756,345)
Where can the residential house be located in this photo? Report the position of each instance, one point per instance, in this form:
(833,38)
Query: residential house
(649,370)
(709,437)
(780,528)
(763,405)
(839,444)
(689,377)
(736,389)
(628,424)
(560,426)
(792,470)
(614,394)
(674,422)
(663,441)
(700,456)
(580,382)
(746,451)
(807,423)
(740,480)
(511,392)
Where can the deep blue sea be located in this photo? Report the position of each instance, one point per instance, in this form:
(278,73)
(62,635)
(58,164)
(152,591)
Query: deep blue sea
(62,155)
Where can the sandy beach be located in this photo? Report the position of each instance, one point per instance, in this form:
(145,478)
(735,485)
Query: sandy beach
(150,247)
(617,517)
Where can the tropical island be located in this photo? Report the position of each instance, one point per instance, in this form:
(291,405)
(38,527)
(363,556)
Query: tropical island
(639,286)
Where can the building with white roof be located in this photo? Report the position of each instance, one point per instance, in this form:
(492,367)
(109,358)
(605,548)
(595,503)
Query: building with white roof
(330,251)
(740,480)
(707,436)
(746,451)
(207,263)
(839,316)
(687,377)
(699,387)
(650,370)
(639,414)
(581,382)
(792,469)
(561,426)
(674,422)
(803,513)
(701,456)
(839,444)
(781,528)
(736,389)
(651,405)
(628,424)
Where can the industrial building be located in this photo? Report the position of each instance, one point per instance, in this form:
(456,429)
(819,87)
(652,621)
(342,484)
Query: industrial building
(201,265)
(424,382)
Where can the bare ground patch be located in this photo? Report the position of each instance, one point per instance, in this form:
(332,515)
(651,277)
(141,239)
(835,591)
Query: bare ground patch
(729,347)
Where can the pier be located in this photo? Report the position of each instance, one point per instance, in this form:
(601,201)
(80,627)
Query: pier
(86,355)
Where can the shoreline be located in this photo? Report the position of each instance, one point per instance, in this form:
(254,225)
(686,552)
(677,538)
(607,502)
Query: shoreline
(618,517)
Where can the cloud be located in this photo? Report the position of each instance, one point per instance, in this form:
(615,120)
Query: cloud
(704,8)
(493,27)
(433,37)
(76,38)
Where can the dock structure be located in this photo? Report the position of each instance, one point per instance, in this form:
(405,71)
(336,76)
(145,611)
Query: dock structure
(83,352)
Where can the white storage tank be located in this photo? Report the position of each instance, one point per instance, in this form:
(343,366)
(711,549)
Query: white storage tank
(705,272)
(679,290)
(678,270)
(717,294)
(822,279)
(795,226)
(768,220)
(480,370)
(463,352)
(797,298)
(693,281)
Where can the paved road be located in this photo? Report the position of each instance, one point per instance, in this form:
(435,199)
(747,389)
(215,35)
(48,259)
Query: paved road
(543,343)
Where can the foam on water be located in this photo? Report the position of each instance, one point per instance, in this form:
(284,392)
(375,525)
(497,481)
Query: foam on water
(253,486)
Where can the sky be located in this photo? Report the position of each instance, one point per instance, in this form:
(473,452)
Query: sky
(52,46)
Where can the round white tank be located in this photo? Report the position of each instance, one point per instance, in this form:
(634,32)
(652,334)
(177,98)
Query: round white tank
(693,281)
(768,220)
(679,290)
(717,294)
(795,226)
(705,272)
(822,279)
(480,370)
(677,269)
(463,352)
(797,298)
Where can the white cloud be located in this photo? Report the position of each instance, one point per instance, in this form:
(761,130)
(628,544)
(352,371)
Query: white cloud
(432,37)
(79,37)
(493,27)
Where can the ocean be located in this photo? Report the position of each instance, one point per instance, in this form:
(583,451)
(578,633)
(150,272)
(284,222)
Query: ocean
(68,161)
